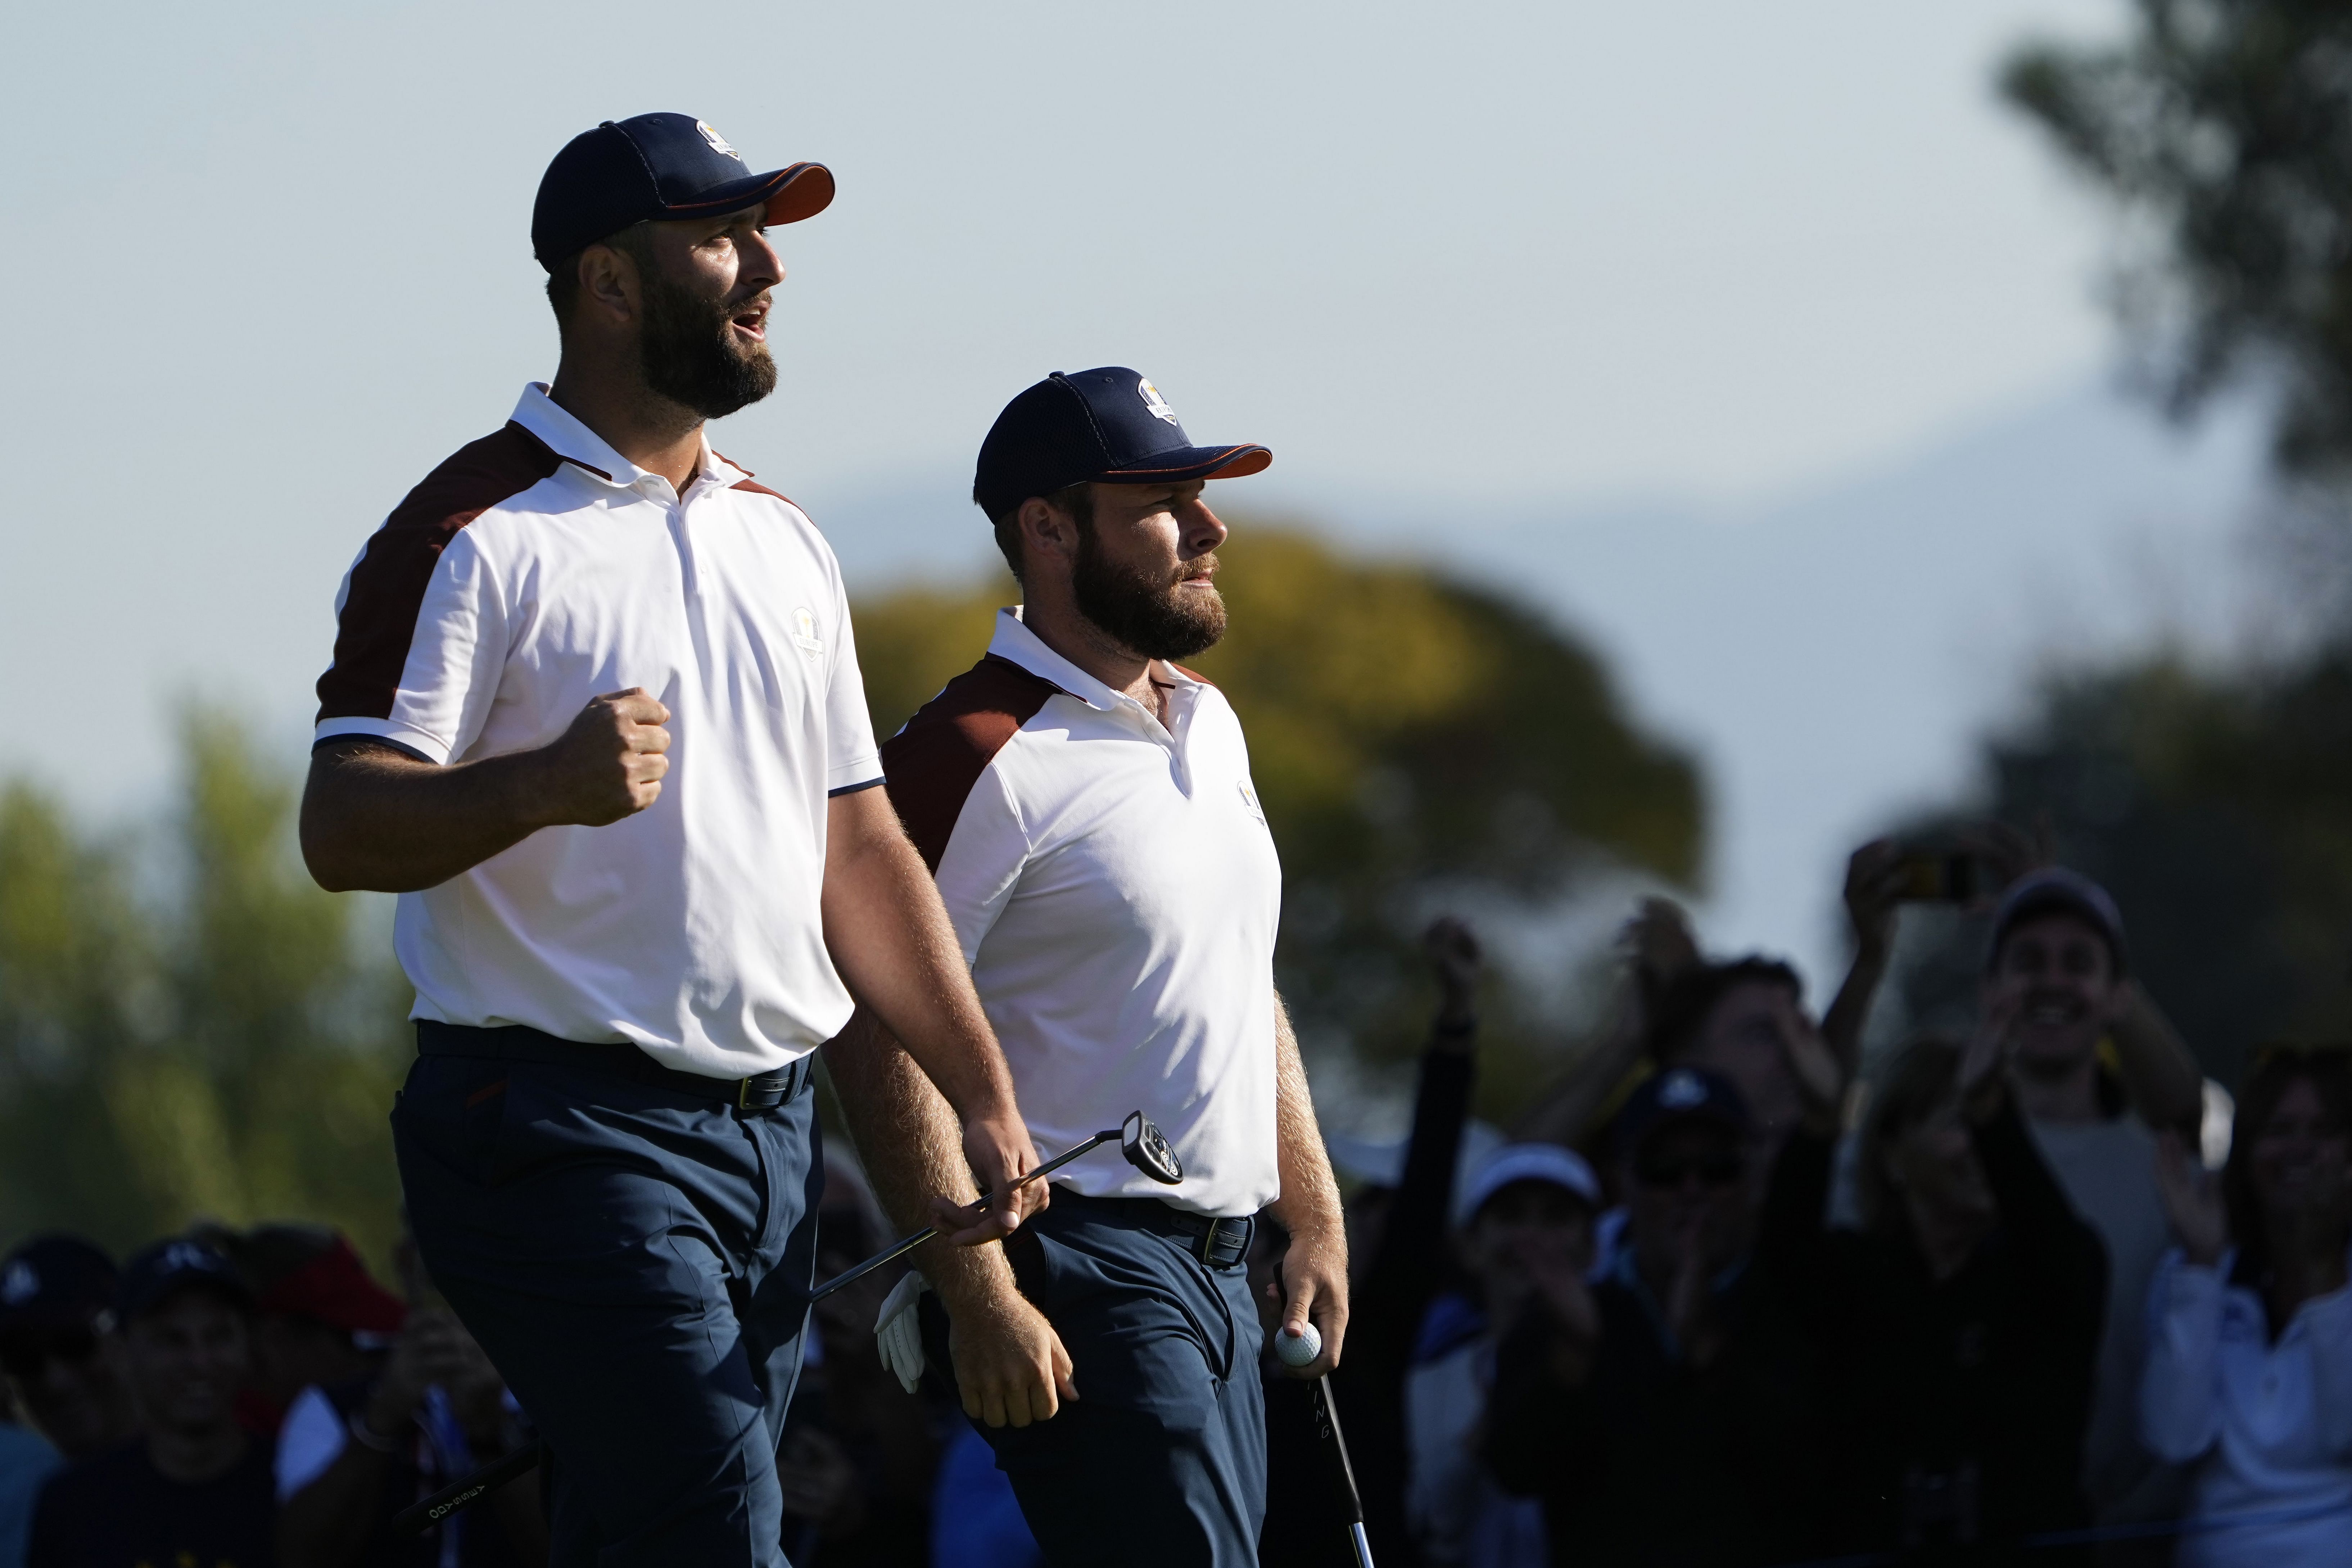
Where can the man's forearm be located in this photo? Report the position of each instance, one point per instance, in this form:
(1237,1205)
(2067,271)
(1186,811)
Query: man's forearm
(1564,1114)
(2166,1085)
(1842,1025)
(378,820)
(890,938)
(1309,1203)
(908,1140)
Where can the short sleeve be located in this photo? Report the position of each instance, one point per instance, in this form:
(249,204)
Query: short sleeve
(418,669)
(311,1440)
(852,761)
(982,863)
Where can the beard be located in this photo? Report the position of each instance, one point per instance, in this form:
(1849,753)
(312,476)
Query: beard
(1143,610)
(689,355)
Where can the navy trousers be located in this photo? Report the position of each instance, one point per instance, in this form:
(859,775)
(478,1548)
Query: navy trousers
(635,1260)
(1160,1462)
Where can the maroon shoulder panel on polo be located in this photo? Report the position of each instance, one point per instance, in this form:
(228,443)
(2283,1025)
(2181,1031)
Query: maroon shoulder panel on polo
(930,765)
(747,483)
(378,616)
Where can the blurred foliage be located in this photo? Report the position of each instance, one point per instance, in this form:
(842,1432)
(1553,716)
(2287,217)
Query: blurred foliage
(188,1034)
(2223,127)
(2217,807)
(1417,742)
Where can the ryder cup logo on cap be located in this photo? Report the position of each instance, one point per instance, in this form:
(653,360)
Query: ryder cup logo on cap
(658,168)
(1156,404)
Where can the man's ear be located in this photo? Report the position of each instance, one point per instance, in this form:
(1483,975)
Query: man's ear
(1046,534)
(610,289)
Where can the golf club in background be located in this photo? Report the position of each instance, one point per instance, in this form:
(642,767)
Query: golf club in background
(1145,1147)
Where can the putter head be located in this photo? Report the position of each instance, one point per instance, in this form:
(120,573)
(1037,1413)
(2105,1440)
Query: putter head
(1147,1149)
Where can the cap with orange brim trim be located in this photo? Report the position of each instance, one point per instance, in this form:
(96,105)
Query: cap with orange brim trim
(661,167)
(1109,424)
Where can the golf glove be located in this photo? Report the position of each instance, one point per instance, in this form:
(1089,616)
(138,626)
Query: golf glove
(898,1332)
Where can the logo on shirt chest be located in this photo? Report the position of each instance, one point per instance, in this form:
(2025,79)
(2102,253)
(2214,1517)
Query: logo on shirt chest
(804,631)
(1249,800)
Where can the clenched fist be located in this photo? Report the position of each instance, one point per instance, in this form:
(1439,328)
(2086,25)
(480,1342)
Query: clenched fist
(609,765)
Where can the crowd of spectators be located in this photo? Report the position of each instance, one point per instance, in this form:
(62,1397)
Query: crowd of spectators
(1978,1299)
(1729,1294)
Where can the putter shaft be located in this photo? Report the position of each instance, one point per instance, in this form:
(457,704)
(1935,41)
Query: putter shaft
(907,1244)
(1329,1412)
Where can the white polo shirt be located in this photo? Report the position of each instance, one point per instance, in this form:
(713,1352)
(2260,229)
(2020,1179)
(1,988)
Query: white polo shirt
(534,571)
(1116,894)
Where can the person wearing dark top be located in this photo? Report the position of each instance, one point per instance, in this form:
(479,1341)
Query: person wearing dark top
(1306,1521)
(1959,1328)
(196,1490)
(1662,1413)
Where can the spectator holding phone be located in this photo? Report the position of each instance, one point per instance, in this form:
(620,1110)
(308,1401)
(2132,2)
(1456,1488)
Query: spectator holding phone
(2057,961)
(2249,1375)
(1959,1329)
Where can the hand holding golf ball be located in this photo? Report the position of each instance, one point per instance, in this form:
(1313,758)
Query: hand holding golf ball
(1298,1350)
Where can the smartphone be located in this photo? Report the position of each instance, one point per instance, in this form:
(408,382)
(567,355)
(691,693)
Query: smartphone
(1931,876)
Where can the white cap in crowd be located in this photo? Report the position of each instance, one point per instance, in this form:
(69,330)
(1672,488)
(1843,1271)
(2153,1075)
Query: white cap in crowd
(1525,1163)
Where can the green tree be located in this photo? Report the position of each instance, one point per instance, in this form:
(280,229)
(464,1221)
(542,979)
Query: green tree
(2224,130)
(1414,740)
(216,1048)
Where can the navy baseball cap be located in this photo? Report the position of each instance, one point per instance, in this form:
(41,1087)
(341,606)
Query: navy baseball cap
(1679,1094)
(2056,890)
(1108,424)
(54,1282)
(163,1268)
(658,166)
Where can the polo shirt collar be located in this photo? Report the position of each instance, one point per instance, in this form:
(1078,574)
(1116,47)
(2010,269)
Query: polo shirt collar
(1016,642)
(584,449)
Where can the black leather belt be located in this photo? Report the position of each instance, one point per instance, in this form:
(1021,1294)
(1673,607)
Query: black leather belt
(1220,1243)
(521,1043)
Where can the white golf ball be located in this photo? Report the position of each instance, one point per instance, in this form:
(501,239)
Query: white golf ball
(1300,1351)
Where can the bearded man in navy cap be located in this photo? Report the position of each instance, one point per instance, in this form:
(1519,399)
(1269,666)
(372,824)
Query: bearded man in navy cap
(1086,804)
(595,715)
